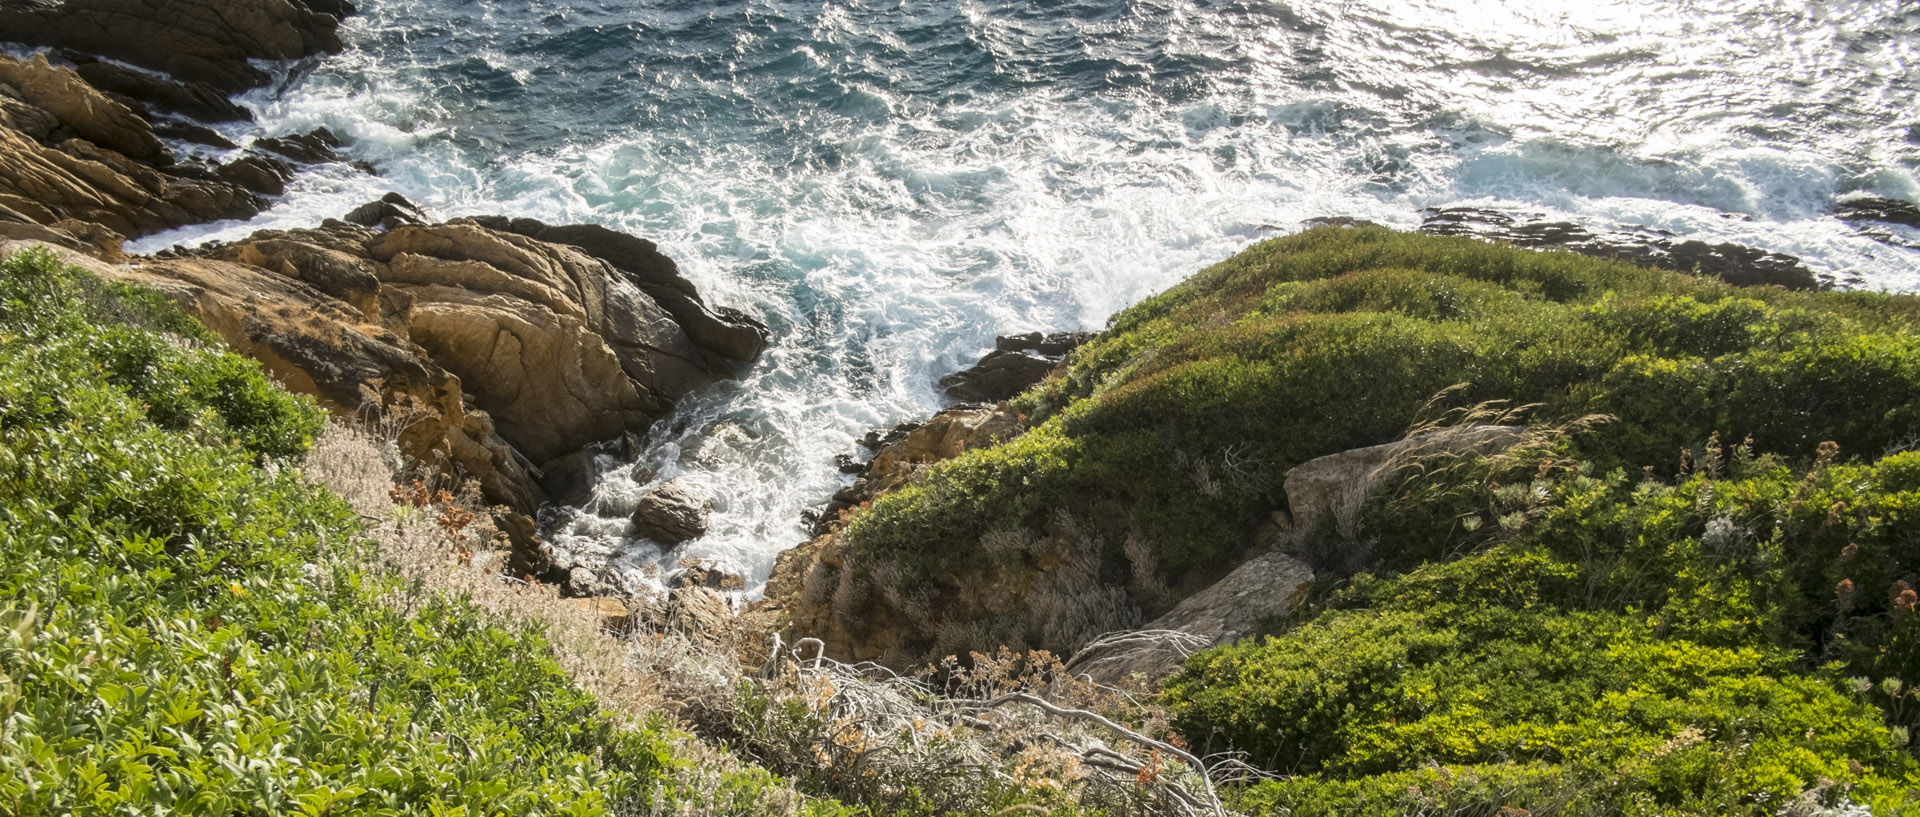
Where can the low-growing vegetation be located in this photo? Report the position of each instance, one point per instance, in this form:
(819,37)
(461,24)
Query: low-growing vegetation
(192,627)
(1738,639)
(1165,443)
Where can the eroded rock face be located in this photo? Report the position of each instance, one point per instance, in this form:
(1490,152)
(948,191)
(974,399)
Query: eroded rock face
(201,41)
(72,153)
(491,352)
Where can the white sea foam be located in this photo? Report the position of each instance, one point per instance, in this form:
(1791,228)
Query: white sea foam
(887,234)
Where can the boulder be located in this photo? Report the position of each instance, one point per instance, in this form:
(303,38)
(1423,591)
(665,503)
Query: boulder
(1326,492)
(672,513)
(1264,587)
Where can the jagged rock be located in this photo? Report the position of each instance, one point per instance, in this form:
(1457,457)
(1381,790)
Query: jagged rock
(259,174)
(1053,345)
(314,147)
(80,109)
(527,556)
(1016,364)
(69,153)
(728,333)
(1875,208)
(699,613)
(387,212)
(998,376)
(1733,263)
(903,450)
(197,134)
(186,98)
(203,41)
(557,350)
(699,573)
(672,513)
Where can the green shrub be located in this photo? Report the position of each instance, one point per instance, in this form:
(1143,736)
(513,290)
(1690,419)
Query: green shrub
(183,632)
(1177,425)
(1720,644)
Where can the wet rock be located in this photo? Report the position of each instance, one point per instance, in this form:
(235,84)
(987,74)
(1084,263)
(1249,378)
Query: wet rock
(1875,208)
(189,99)
(1053,345)
(387,212)
(568,480)
(1733,263)
(1016,364)
(672,513)
(189,132)
(727,335)
(699,573)
(315,147)
(848,464)
(259,174)
(881,438)
(999,376)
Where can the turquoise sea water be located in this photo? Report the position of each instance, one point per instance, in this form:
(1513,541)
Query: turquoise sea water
(889,185)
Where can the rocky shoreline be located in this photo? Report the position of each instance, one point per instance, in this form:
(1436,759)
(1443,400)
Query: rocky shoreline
(496,348)
(502,348)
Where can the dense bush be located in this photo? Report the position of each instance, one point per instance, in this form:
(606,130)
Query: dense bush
(187,632)
(1176,426)
(1725,643)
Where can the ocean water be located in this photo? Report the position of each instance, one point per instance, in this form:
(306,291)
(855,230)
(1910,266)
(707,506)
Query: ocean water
(891,184)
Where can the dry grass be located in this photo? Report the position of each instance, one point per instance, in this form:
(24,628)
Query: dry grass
(985,734)
(447,545)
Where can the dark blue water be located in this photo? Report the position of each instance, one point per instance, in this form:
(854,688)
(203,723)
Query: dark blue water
(891,184)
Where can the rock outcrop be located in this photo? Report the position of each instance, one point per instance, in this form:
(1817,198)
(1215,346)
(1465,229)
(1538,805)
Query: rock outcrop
(496,354)
(208,42)
(70,153)
(1659,249)
(1016,364)
(1323,494)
